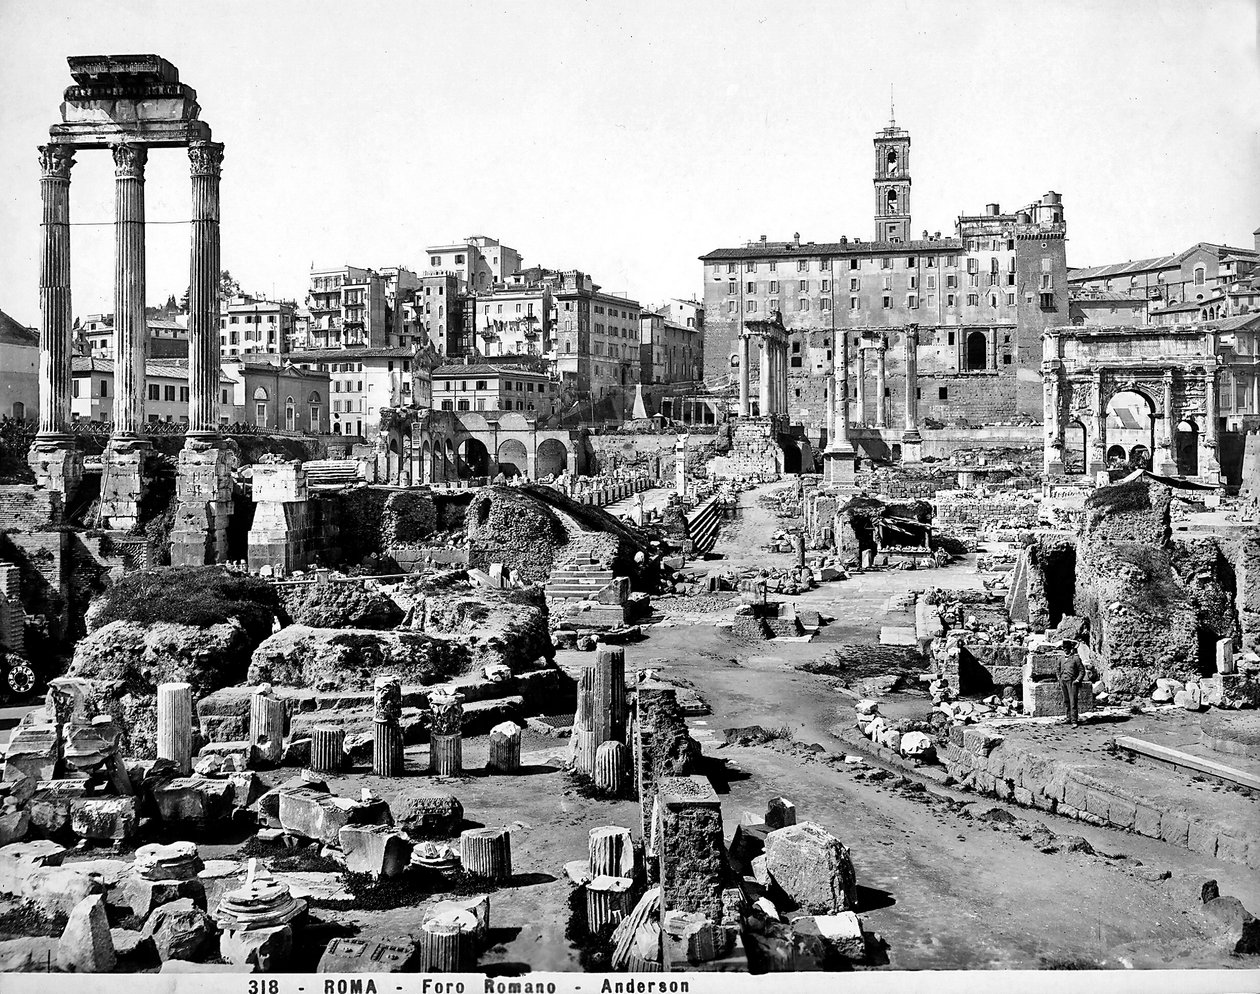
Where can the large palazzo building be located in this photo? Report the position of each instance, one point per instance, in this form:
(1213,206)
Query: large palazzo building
(979,300)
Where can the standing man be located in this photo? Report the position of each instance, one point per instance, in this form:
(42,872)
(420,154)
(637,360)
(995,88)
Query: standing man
(1071,676)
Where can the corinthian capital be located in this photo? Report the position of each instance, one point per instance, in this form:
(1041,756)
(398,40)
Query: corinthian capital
(56,160)
(129,160)
(206,158)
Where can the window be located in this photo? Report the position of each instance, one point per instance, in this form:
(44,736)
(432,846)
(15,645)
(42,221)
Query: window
(949,300)
(774,286)
(802,304)
(750,267)
(910,262)
(885,263)
(853,303)
(774,267)
(802,265)
(168,393)
(855,263)
(914,282)
(951,338)
(951,281)
(855,284)
(1047,302)
(887,282)
(1006,360)
(942,393)
(973,300)
(825,303)
(824,265)
(887,299)
(183,394)
(730,306)
(1200,274)
(773,305)
(750,306)
(751,287)
(977,355)
(155,391)
(1010,300)
(931,281)
(802,286)
(912,301)
(731,287)
(730,268)
(973,279)
(826,286)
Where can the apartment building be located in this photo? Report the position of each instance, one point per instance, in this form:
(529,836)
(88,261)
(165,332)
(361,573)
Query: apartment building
(478,261)
(251,325)
(363,381)
(487,387)
(347,309)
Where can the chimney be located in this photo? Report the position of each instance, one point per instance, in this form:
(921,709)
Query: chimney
(992,210)
(763,239)
(796,237)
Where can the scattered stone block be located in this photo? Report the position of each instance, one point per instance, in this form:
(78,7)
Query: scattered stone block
(365,954)
(579,871)
(917,745)
(130,946)
(268,805)
(426,814)
(842,933)
(86,945)
(113,818)
(14,824)
(315,815)
(34,954)
(375,849)
(179,930)
(780,812)
(297,752)
(57,889)
(187,966)
(812,867)
(266,949)
(197,802)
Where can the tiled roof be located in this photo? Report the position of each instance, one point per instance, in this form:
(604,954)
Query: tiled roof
(809,250)
(1106,297)
(484,369)
(168,368)
(14,333)
(349,354)
(1237,322)
(1122,268)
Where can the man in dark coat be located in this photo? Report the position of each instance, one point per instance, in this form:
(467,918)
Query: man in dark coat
(1071,676)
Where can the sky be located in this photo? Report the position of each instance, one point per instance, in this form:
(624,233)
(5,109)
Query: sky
(626,140)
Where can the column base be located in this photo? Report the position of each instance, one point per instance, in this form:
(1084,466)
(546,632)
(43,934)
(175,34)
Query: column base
(124,482)
(911,445)
(57,463)
(1054,468)
(203,493)
(840,465)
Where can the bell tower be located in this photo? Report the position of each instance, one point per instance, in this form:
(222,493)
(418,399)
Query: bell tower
(892,184)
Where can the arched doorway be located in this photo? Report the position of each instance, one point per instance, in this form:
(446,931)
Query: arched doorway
(448,462)
(1140,457)
(1186,448)
(290,414)
(1116,456)
(1074,448)
(474,460)
(393,458)
(977,356)
(315,404)
(1130,424)
(260,407)
(19,410)
(552,458)
(513,458)
(426,462)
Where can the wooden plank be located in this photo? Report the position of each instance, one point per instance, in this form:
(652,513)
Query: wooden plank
(1198,763)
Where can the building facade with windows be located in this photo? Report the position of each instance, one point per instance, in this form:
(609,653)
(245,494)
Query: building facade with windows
(514,318)
(977,301)
(363,381)
(168,337)
(347,309)
(486,387)
(268,391)
(19,359)
(165,389)
(250,325)
(433,315)
(671,341)
(478,261)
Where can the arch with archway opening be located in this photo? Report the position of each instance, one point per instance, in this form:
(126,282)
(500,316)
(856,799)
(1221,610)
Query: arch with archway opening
(552,458)
(977,353)
(513,458)
(1130,425)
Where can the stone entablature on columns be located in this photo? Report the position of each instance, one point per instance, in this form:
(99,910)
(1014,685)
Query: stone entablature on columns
(772,338)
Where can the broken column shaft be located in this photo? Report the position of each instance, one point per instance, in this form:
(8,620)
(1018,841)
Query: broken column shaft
(505,748)
(174,725)
(446,737)
(327,749)
(486,852)
(387,744)
(608,702)
(267,715)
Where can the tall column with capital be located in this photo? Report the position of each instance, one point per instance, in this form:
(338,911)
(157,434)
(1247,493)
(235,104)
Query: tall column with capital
(1167,464)
(911,440)
(744,352)
(1098,444)
(56,314)
(784,369)
(1209,459)
(859,400)
(131,331)
(53,456)
(763,384)
(881,402)
(203,291)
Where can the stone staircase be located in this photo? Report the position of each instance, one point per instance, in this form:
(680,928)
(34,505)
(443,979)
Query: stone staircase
(322,473)
(781,627)
(580,579)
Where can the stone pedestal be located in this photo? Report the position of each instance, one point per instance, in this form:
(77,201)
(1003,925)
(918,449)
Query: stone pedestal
(203,491)
(124,482)
(281,532)
(691,847)
(57,464)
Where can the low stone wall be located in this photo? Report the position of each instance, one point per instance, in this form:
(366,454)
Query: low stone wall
(981,760)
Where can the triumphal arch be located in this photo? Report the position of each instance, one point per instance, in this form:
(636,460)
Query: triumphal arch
(131,105)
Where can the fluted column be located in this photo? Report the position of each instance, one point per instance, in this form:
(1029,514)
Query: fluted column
(1210,460)
(744,352)
(56,315)
(881,404)
(785,391)
(830,413)
(763,374)
(203,290)
(859,399)
(131,332)
(911,424)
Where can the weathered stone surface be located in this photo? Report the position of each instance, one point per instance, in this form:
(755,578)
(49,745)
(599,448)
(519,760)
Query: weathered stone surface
(130,946)
(916,745)
(842,933)
(86,945)
(267,949)
(267,805)
(141,896)
(780,812)
(351,658)
(320,816)
(187,966)
(20,858)
(180,930)
(375,849)
(812,867)
(197,802)
(104,817)
(427,814)
(57,889)
(34,954)
(368,954)
(14,825)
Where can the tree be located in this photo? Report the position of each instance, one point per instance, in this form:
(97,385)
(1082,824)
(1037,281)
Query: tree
(229,287)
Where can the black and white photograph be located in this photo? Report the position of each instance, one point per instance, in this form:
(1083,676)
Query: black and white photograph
(557,496)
